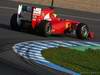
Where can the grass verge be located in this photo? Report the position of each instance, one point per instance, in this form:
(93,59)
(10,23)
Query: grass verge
(86,62)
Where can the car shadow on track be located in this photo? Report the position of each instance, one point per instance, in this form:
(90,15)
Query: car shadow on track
(7,27)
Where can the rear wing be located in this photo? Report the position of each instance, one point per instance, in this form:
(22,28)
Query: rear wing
(33,10)
(23,8)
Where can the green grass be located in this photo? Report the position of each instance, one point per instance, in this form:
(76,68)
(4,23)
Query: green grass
(80,61)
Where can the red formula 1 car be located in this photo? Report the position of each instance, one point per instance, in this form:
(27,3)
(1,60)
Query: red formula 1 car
(46,22)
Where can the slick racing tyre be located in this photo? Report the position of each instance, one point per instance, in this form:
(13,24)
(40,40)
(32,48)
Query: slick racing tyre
(15,22)
(82,31)
(45,28)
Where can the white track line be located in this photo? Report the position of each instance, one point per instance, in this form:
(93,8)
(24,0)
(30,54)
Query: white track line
(11,8)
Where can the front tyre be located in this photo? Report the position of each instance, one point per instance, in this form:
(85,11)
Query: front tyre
(82,31)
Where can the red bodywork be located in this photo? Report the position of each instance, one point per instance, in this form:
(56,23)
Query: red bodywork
(46,22)
(58,25)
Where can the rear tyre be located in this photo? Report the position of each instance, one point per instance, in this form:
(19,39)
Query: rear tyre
(44,28)
(14,23)
(82,31)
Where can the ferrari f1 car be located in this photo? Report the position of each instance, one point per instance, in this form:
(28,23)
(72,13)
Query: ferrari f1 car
(46,22)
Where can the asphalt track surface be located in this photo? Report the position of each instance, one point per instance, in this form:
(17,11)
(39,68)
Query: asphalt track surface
(8,38)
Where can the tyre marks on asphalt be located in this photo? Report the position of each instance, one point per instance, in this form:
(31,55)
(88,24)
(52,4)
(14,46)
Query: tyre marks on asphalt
(32,50)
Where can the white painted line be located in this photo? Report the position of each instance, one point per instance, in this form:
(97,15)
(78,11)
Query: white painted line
(91,43)
(21,54)
(51,43)
(8,8)
(38,57)
(62,43)
(78,43)
(34,51)
(70,44)
(42,44)
(37,46)
(14,48)
(38,54)
(55,44)
(25,57)
(27,46)
(42,60)
(24,49)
